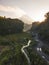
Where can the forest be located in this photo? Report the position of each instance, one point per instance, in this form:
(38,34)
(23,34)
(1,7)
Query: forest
(10,26)
(12,38)
(42,28)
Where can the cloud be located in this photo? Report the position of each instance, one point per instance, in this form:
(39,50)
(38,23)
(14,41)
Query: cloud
(6,8)
(15,10)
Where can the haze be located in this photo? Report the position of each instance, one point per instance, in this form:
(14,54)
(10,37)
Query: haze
(33,8)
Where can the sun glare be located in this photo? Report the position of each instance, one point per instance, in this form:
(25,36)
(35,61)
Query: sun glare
(40,17)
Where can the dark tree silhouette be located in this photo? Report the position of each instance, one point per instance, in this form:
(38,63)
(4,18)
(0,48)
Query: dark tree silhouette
(10,26)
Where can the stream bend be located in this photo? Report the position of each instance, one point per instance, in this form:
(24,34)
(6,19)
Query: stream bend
(23,51)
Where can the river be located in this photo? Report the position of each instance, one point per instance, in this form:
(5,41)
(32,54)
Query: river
(23,51)
(38,48)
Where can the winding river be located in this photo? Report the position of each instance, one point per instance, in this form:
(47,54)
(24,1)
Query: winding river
(23,51)
(38,48)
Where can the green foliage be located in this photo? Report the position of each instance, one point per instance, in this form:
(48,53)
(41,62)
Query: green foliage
(12,56)
(45,50)
(43,29)
(11,53)
(10,26)
(34,26)
(34,57)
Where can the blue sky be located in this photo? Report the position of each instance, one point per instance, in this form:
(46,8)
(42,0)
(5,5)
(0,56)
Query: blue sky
(34,8)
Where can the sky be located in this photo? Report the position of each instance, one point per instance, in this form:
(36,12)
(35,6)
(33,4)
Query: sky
(17,8)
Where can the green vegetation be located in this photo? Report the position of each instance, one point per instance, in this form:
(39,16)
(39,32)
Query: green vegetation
(42,28)
(12,38)
(45,50)
(10,26)
(34,57)
(11,53)
(34,26)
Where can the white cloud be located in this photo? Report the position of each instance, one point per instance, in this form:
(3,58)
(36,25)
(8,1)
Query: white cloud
(6,8)
(17,11)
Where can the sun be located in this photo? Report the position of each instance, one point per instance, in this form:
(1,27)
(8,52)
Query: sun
(39,17)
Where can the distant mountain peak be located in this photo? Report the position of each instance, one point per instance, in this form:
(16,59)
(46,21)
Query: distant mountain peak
(27,22)
(26,19)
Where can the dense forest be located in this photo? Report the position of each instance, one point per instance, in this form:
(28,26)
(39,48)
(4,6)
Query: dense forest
(12,38)
(42,28)
(9,26)
(11,41)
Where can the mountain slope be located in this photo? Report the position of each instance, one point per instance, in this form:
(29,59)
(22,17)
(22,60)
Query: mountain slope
(26,19)
(27,22)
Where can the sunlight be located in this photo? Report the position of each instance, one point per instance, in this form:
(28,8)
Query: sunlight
(39,17)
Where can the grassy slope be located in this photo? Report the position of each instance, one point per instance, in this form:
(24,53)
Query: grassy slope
(10,46)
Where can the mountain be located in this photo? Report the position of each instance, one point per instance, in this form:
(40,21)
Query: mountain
(27,22)
(27,27)
(26,19)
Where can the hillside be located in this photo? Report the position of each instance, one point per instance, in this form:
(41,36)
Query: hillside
(12,41)
(42,28)
(10,26)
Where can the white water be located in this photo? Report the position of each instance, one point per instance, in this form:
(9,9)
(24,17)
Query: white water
(23,51)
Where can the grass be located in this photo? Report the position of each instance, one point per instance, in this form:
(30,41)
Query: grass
(11,53)
(45,50)
(34,57)
(14,37)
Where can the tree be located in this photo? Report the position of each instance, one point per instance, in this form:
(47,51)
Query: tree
(43,29)
(10,26)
